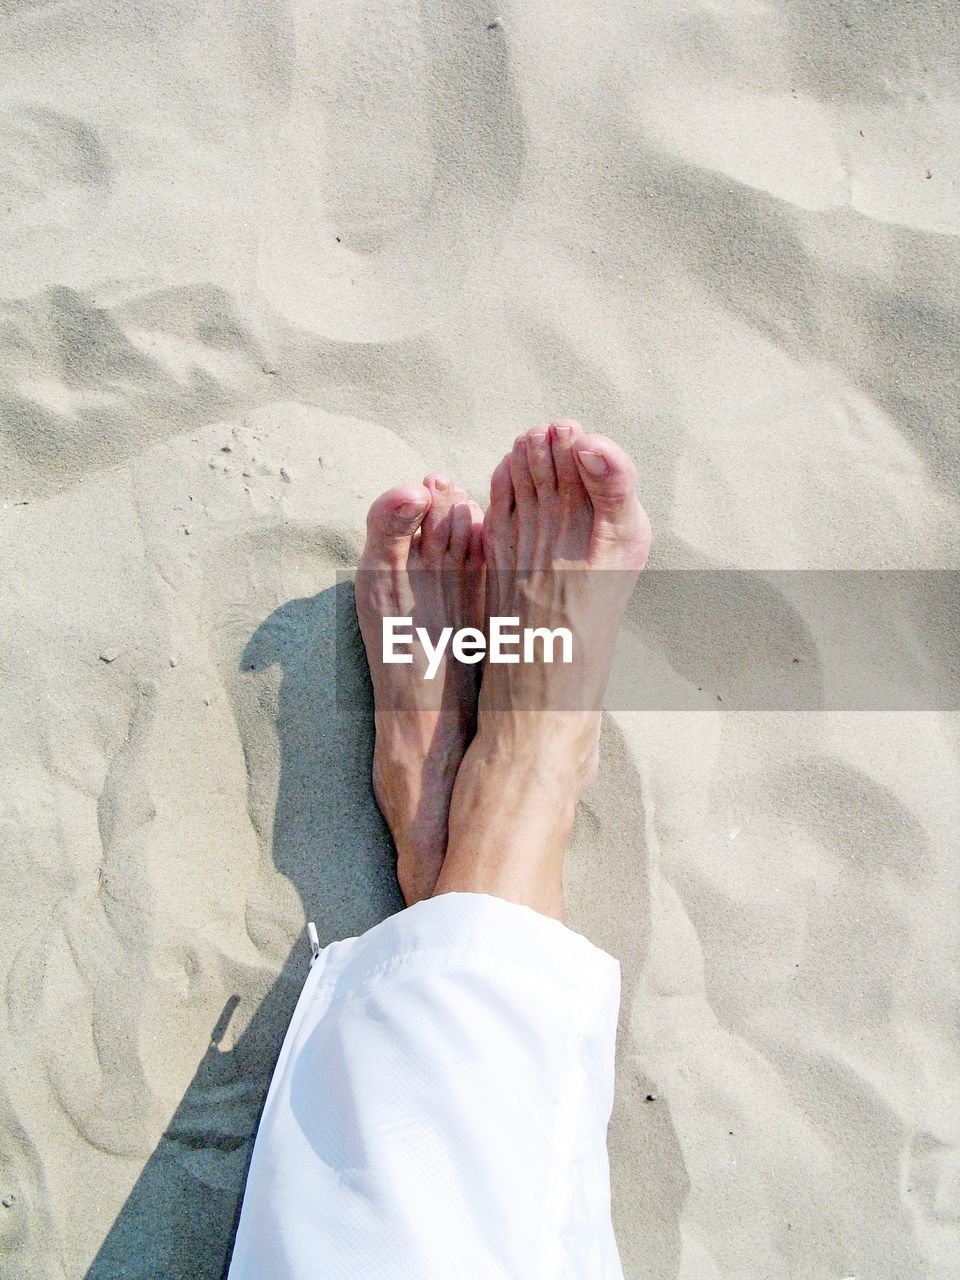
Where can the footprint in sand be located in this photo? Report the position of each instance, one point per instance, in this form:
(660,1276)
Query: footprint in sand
(398,150)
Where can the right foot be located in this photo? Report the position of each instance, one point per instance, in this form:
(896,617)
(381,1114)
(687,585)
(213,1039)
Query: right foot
(564,512)
(423,559)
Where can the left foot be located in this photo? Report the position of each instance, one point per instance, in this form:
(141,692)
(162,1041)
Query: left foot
(423,560)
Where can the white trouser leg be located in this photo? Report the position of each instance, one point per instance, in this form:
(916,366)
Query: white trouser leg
(439,1109)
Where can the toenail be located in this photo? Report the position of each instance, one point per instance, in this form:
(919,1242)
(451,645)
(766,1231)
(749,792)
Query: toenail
(409,510)
(561,429)
(595,463)
(538,437)
(441,484)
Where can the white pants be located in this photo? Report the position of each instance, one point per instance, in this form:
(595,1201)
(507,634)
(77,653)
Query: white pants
(439,1108)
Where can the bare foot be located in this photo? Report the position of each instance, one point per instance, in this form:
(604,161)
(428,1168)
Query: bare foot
(423,560)
(564,540)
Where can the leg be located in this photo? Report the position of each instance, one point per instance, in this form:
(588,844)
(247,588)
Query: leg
(564,540)
(423,559)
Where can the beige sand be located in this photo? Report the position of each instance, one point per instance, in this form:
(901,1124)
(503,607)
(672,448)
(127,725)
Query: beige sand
(261,261)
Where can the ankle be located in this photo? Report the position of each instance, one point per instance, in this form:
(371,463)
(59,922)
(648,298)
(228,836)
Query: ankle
(551,754)
(510,819)
(415,880)
(519,784)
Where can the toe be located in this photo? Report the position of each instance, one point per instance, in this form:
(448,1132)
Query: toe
(435,530)
(610,479)
(500,513)
(475,550)
(540,463)
(608,475)
(466,584)
(525,497)
(461,523)
(391,523)
(524,491)
(498,529)
(563,433)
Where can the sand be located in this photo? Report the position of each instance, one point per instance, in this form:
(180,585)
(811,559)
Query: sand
(261,261)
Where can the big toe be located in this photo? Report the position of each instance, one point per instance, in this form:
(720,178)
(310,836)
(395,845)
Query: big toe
(392,522)
(610,479)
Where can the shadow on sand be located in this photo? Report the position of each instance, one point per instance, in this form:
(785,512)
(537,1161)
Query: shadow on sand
(332,846)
